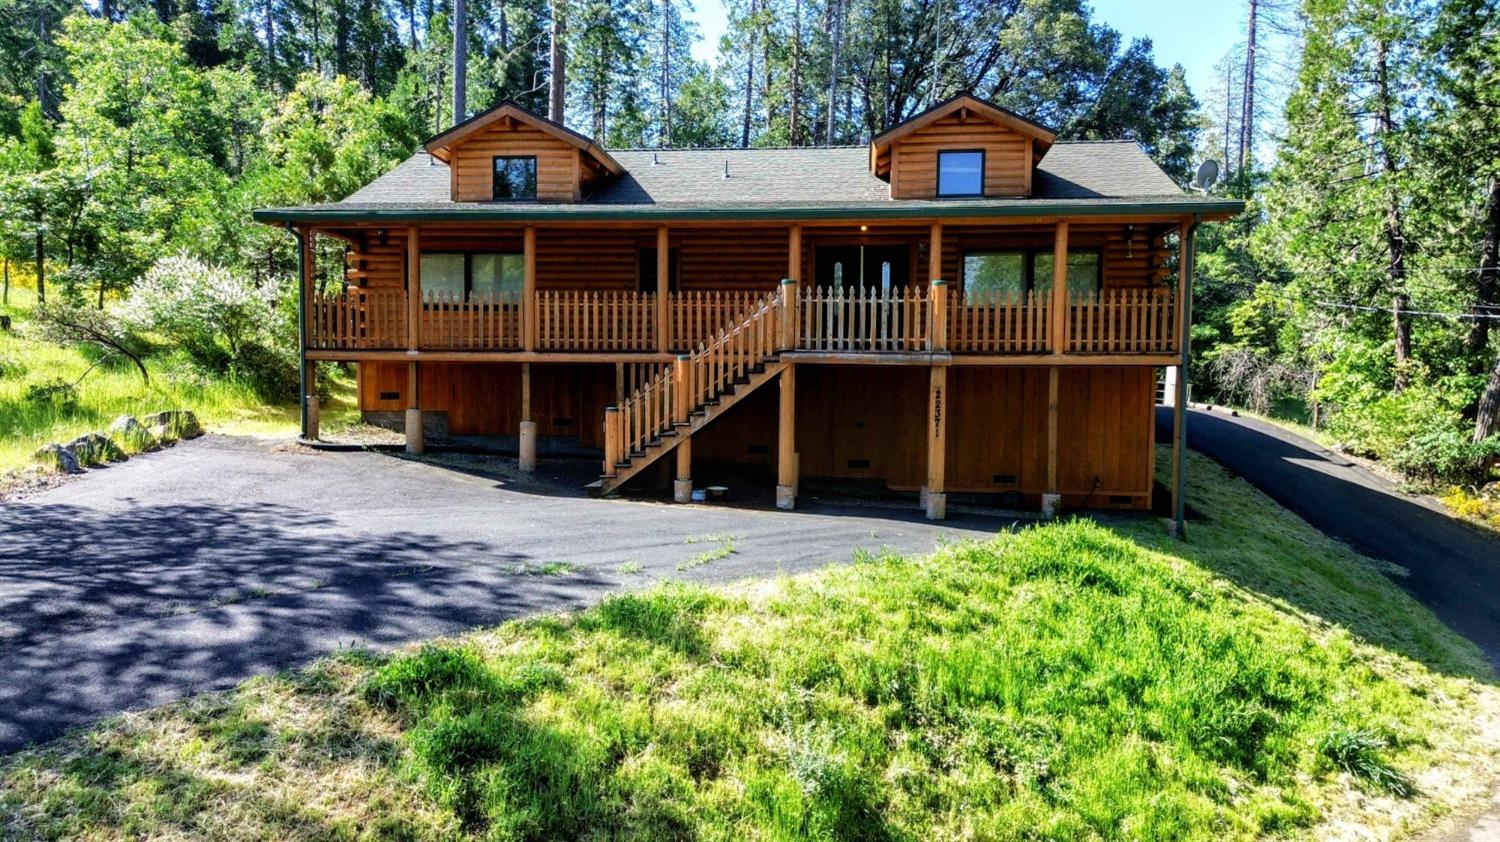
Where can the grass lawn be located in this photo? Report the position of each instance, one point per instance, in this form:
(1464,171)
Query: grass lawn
(1071,681)
(114,387)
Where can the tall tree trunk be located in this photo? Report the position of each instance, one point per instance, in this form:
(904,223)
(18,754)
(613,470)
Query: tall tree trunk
(504,29)
(836,35)
(1487,286)
(666,73)
(557,70)
(749,79)
(461,61)
(1487,419)
(794,127)
(1395,239)
(41,266)
(5,297)
(1247,101)
(1228,113)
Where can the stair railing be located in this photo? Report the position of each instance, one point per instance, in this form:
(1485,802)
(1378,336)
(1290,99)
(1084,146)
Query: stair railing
(696,379)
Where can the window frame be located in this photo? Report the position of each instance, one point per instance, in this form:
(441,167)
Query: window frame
(495,178)
(938,170)
(468,256)
(1028,264)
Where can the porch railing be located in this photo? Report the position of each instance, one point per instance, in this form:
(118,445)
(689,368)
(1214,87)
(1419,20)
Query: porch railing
(697,316)
(868,319)
(357,319)
(998,322)
(479,321)
(595,320)
(1122,321)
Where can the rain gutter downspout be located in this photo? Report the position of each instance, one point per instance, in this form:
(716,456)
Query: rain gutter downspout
(1179,517)
(302,383)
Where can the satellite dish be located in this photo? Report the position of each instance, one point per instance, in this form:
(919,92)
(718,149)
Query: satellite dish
(1208,173)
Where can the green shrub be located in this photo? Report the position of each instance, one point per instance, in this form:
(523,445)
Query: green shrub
(11,368)
(1447,456)
(1360,753)
(56,393)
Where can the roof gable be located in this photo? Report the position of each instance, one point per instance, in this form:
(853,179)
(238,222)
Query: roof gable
(964,105)
(441,145)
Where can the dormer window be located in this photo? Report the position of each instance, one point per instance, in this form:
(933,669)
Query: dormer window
(515,178)
(961,173)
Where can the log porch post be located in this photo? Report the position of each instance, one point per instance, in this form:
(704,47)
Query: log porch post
(414,437)
(786,440)
(937,339)
(934,497)
(663,288)
(527,458)
(528,289)
(794,253)
(1058,332)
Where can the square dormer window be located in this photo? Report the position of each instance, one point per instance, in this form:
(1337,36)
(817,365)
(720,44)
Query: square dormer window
(961,173)
(515,178)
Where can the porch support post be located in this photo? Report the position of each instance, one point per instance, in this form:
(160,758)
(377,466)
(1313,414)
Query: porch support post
(414,440)
(786,440)
(1185,258)
(413,290)
(1052,498)
(528,289)
(528,427)
(663,288)
(938,290)
(934,495)
(310,419)
(794,253)
(682,483)
(935,252)
(1058,306)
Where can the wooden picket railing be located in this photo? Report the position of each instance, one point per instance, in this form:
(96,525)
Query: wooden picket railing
(1122,321)
(697,316)
(479,321)
(998,322)
(697,378)
(868,319)
(357,319)
(595,320)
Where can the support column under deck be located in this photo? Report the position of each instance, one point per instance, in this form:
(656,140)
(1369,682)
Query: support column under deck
(1051,499)
(786,441)
(934,494)
(682,484)
(528,427)
(310,421)
(414,440)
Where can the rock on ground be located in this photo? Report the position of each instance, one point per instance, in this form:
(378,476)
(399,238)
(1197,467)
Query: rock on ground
(55,457)
(173,424)
(95,449)
(131,435)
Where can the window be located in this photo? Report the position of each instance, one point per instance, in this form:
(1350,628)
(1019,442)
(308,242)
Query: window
(515,178)
(961,173)
(460,275)
(1017,271)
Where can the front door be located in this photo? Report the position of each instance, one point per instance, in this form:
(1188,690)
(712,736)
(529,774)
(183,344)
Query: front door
(877,267)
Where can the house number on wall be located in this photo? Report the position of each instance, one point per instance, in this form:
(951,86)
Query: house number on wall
(937,410)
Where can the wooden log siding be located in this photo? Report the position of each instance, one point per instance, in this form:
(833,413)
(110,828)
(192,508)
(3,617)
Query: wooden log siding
(595,320)
(1121,321)
(480,321)
(998,321)
(697,317)
(357,319)
(669,397)
(869,319)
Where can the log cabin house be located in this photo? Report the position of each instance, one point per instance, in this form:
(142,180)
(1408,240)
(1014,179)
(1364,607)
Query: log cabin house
(966,304)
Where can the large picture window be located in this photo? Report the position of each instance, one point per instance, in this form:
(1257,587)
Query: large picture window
(515,178)
(461,275)
(1019,270)
(960,173)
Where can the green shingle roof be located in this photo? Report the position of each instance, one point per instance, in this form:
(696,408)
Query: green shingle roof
(820,182)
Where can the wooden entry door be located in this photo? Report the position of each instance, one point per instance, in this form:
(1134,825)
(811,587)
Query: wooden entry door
(851,267)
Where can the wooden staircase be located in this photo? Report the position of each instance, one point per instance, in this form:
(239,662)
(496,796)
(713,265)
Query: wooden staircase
(698,388)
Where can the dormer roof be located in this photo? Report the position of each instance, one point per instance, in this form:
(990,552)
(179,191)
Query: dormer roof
(440,146)
(964,105)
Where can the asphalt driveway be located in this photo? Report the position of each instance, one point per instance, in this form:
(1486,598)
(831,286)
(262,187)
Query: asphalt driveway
(223,558)
(1454,568)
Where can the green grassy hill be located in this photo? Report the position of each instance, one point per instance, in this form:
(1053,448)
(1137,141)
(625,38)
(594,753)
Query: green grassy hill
(104,389)
(1071,681)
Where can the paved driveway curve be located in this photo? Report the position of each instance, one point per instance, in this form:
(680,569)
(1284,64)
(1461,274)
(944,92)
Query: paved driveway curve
(1454,568)
(223,558)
